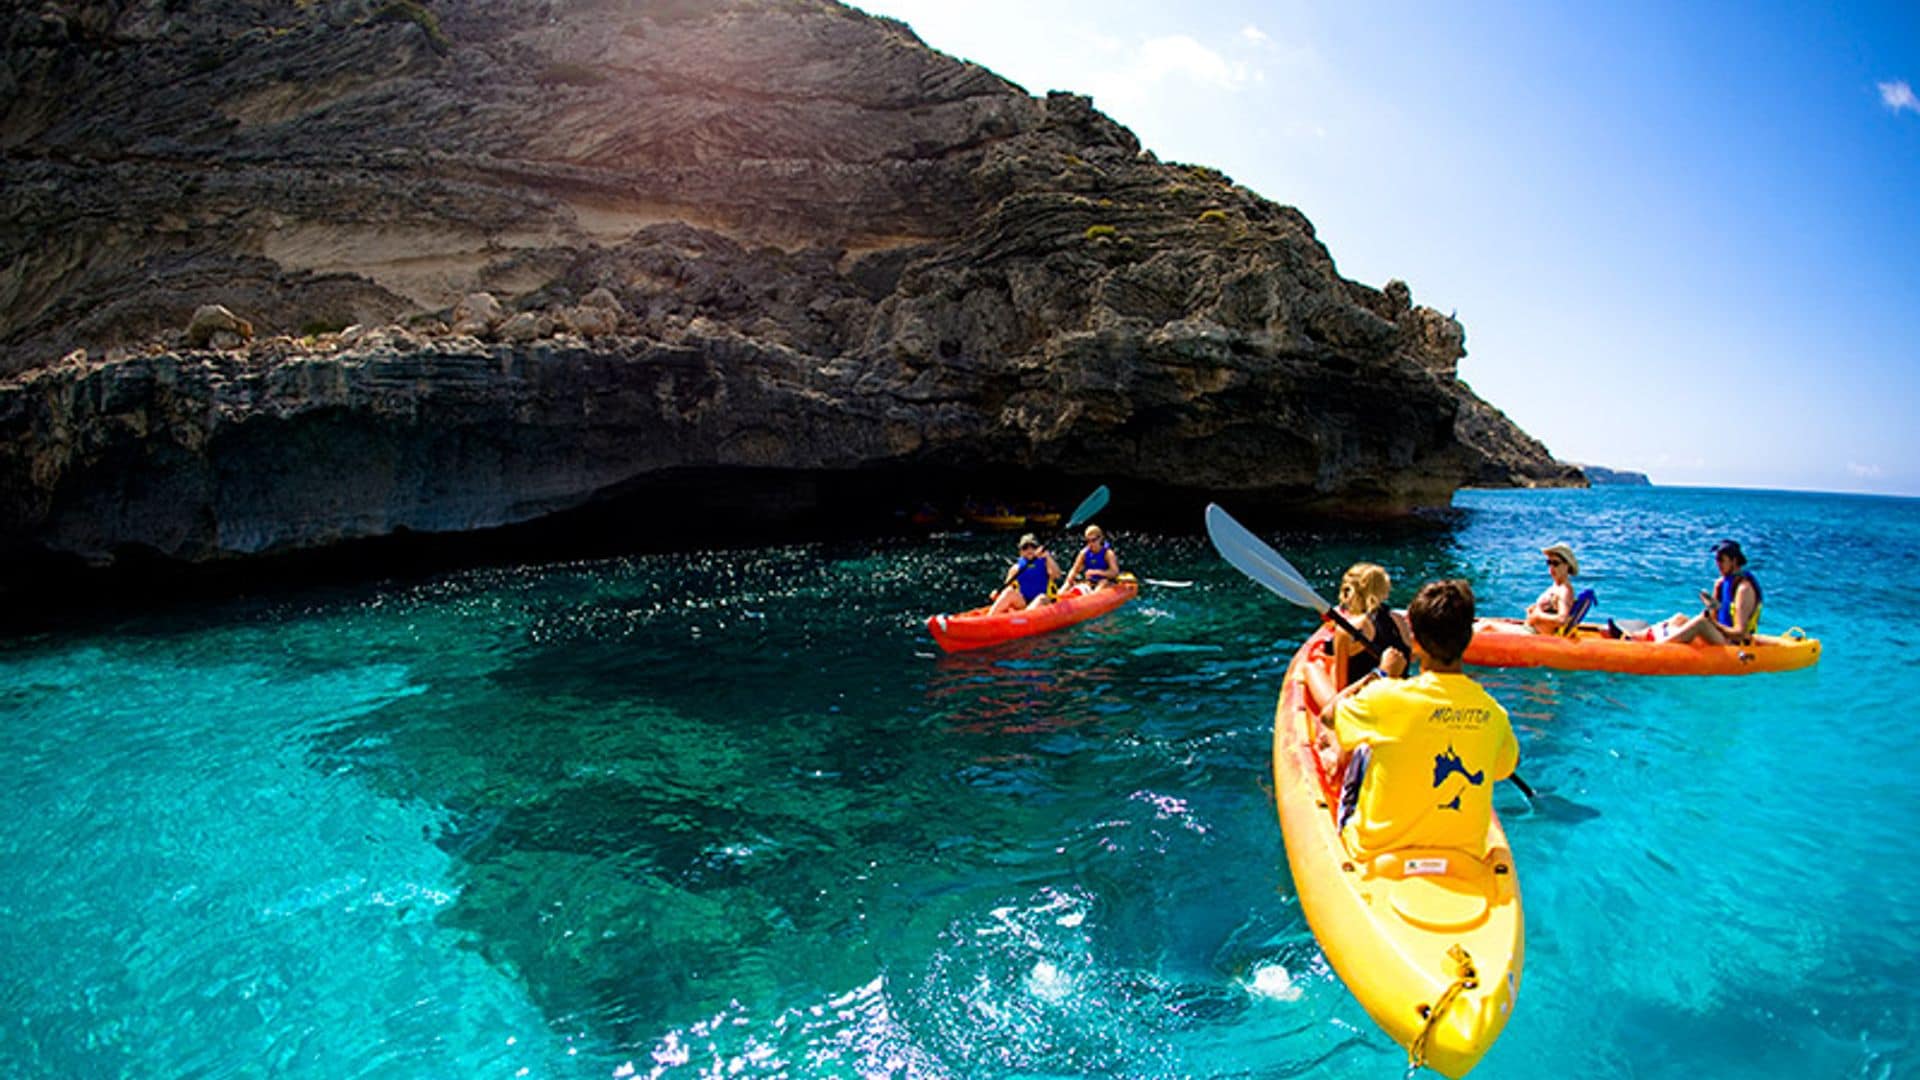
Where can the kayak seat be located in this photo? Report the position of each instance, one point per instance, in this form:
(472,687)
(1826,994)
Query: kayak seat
(1582,604)
(1438,888)
(1439,903)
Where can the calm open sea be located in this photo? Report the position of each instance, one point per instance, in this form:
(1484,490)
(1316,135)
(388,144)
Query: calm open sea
(728,814)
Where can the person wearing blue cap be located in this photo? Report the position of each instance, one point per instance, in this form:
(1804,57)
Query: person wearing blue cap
(1730,613)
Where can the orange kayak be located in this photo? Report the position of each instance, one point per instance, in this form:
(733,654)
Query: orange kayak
(976,629)
(1509,643)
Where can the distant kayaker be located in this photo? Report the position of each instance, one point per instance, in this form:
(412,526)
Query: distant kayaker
(1423,753)
(1029,580)
(1098,561)
(1549,614)
(1730,613)
(1364,590)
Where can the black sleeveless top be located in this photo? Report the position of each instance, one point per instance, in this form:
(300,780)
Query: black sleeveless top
(1382,631)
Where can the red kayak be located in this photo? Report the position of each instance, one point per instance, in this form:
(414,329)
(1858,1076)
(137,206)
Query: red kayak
(976,629)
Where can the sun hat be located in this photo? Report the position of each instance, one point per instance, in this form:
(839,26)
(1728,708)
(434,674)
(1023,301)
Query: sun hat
(1565,552)
(1029,540)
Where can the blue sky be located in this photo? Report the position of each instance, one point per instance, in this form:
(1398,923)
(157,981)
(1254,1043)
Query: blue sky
(1682,240)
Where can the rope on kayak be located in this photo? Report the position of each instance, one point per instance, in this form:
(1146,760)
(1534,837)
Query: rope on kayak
(1466,979)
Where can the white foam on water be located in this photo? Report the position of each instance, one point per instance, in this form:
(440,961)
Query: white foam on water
(1273,981)
(1048,983)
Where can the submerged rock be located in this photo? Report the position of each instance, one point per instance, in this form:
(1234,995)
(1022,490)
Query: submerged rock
(792,256)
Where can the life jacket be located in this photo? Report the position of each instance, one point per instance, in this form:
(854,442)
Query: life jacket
(1031,575)
(1724,591)
(1094,560)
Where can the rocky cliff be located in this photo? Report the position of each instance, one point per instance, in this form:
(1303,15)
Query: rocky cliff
(773,255)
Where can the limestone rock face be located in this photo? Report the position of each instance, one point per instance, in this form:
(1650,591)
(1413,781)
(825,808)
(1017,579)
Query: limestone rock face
(217,327)
(477,314)
(737,238)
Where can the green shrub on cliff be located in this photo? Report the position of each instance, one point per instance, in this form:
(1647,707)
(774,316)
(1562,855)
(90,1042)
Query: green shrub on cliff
(1101,232)
(1213,217)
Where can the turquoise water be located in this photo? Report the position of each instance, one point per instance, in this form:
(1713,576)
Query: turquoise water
(727,814)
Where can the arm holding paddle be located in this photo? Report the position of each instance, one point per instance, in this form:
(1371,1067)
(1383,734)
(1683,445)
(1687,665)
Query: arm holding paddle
(1073,572)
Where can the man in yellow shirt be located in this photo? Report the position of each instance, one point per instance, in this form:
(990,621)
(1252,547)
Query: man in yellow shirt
(1424,753)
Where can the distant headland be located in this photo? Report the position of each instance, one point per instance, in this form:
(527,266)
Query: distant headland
(1600,474)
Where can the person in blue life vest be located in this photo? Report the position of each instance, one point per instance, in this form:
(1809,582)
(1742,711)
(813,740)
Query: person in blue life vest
(1421,754)
(1029,580)
(1730,613)
(1097,561)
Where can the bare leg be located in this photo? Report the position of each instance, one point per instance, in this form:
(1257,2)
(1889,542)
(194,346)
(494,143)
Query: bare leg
(1008,599)
(1699,628)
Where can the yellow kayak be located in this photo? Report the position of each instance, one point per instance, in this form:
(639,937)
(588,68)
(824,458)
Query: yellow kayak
(1430,940)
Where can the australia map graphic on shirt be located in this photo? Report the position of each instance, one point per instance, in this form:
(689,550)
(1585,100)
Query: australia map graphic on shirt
(1449,764)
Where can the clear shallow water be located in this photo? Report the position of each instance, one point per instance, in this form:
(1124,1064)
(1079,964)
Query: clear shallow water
(728,814)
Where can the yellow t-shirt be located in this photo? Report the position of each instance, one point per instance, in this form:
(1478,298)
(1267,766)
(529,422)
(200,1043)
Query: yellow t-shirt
(1439,744)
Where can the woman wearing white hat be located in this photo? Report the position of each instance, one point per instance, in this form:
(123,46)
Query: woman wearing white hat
(1549,614)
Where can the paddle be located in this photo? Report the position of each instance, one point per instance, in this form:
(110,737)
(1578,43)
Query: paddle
(1088,507)
(1252,557)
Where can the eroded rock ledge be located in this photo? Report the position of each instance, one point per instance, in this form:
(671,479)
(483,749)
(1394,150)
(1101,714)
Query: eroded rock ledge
(726,238)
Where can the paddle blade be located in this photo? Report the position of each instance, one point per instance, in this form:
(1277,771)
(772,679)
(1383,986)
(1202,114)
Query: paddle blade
(1090,506)
(1252,557)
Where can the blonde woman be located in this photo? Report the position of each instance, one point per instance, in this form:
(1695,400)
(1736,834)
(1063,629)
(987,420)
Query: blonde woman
(1097,560)
(1364,589)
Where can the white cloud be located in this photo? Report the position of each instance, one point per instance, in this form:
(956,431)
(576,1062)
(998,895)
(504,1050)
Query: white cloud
(1854,468)
(1898,95)
(1181,55)
(1254,34)
(1146,69)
